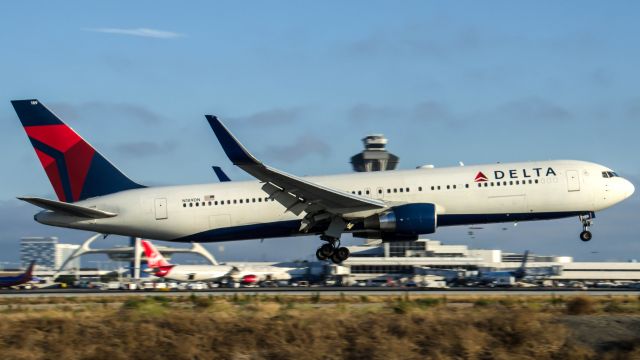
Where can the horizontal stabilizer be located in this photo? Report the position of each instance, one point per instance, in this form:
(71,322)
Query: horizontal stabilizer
(69,209)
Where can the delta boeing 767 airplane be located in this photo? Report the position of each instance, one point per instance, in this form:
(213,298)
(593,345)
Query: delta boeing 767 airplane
(94,195)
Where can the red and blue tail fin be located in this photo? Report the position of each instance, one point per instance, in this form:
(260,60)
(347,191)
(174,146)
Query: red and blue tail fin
(76,170)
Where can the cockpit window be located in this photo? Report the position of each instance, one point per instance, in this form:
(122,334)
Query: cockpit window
(609,174)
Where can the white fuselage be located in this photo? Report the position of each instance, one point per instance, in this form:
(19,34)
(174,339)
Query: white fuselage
(235,271)
(241,210)
(184,273)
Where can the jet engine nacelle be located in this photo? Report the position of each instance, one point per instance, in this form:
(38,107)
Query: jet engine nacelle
(405,220)
(249,279)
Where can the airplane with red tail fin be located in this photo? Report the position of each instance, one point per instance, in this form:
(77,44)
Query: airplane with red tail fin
(396,205)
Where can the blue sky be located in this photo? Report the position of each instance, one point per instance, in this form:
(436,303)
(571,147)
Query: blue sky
(301,82)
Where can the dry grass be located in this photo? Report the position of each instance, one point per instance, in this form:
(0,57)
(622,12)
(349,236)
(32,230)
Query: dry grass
(267,327)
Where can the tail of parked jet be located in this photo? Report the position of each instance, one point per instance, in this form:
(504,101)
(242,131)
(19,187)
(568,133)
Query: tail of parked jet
(76,170)
(29,272)
(521,272)
(154,257)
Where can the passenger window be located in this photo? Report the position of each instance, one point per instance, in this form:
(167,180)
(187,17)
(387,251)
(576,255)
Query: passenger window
(466,186)
(379,191)
(197,204)
(530,182)
(511,182)
(407,189)
(388,191)
(359,192)
(209,203)
(401,189)
(448,187)
(419,188)
(504,183)
(479,184)
(190,204)
(492,183)
(454,186)
(536,181)
(395,190)
(438,187)
(432,188)
(497,183)
(184,205)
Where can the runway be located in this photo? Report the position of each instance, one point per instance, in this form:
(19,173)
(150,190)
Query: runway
(325,291)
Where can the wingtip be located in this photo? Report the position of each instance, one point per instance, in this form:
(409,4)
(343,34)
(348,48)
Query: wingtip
(232,147)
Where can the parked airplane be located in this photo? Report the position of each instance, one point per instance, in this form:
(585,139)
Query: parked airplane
(94,195)
(162,268)
(9,281)
(517,274)
(243,273)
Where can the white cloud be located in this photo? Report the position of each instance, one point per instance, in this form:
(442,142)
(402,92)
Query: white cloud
(143,32)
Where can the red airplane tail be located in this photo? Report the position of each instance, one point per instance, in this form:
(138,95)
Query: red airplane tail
(155,260)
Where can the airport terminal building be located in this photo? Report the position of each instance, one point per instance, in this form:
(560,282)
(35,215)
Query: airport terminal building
(379,262)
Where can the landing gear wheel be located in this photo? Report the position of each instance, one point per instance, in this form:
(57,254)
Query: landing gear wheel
(320,255)
(340,255)
(585,235)
(326,250)
(343,253)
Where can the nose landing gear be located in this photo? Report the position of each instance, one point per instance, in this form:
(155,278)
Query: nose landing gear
(587,221)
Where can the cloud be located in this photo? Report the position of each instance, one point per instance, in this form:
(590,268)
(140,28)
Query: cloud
(140,32)
(633,109)
(420,40)
(267,118)
(425,111)
(111,111)
(367,112)
(431,111)
(533,109)
(146,148)
(305,146)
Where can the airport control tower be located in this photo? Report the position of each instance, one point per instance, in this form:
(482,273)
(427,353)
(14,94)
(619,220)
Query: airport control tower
(375,156)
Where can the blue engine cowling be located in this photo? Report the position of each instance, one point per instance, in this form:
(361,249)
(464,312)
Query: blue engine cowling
(410,219)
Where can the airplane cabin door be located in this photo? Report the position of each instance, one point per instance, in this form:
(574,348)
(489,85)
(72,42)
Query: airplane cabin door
(573,180)
(161,208)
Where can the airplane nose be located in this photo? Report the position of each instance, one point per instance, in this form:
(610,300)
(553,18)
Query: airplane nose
(628,187)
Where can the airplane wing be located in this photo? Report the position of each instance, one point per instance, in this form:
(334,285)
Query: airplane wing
(69,209)
(295,193)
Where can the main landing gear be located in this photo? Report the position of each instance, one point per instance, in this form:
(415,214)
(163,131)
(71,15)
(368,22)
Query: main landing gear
(332,250)
(587,221)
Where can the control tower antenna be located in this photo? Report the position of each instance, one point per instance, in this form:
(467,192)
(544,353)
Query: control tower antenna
(375,156)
